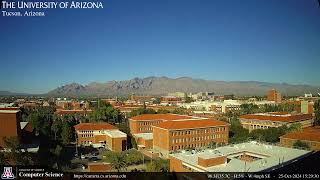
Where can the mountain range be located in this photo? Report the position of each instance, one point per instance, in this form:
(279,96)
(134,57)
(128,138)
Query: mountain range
(163,85)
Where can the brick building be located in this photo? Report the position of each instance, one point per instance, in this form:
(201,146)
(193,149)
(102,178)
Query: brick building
(310,136)
(101,135)
(9,124)
(171,136)
(275,119)
(273,95)
(166,133)
(143,123)
(170,100)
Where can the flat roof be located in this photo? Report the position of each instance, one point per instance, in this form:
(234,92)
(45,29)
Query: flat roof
(94,126)
(146,136)
(115,133)
(270,156)
(14,111)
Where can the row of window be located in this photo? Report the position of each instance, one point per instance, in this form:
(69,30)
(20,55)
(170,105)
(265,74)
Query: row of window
(145,129)
(86,131)
(149,123)
(182,140)
(86,142)
(189,146)
(198,131)
(86,135)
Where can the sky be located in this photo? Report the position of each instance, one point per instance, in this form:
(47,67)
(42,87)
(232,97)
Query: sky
(248,40)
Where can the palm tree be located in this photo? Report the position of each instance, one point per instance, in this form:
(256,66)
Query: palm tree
(118,162)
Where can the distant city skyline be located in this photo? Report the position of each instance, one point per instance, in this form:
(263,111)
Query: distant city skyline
(266,41)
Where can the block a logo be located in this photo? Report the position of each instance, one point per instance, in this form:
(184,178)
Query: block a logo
(7,173)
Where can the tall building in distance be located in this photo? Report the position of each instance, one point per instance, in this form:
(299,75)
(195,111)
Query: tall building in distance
(273,95)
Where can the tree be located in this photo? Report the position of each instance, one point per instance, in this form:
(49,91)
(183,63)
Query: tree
(15,154)
(66,133)
(140,111)
(157,100)
(248,108)
(180,110)
(301,145)
(163,111)
(56,126)
(158,165)
(118,162)
(316,107)
(295,127)
(188,99)
(57,155)
(132,156)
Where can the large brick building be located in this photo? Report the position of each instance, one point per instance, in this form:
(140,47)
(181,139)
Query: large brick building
(171,136)
(166,133)
(101,135)
(275,119)
(9,124)
(143,123)
(273,95)
(310,136)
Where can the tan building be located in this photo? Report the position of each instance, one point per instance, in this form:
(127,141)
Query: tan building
(101,135)
(171,136)
(310,136)
(143,123)
(9,124)
(273,95)
(166,133)
(275,119)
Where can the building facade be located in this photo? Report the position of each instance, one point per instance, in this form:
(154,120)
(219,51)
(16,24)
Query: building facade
(9,124)
(101,135)
(310,136)
(273,95)
(267,120)
(172,136)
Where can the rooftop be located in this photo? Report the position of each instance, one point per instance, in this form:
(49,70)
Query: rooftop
(266,157)
(146,136)
(94,126)
(116,133)
(308,134)
(166,117)
(14,111)
(277,116)
(190,124)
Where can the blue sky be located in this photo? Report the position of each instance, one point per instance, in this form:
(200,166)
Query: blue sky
(247,40)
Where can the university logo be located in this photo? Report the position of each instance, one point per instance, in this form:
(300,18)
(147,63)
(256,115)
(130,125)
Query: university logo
(7,173)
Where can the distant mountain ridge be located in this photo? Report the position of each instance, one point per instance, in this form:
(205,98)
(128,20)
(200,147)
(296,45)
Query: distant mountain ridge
(163,85)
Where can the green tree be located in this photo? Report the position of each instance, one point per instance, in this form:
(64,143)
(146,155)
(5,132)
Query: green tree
(180,110)
(157,100)
(248,108)
(140,111)
(188,99)
(316,107)
(158,165)
(66,133)
(301,145)
(118,162)
(15,153)
(132,156)
(163,111)
(56,126)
